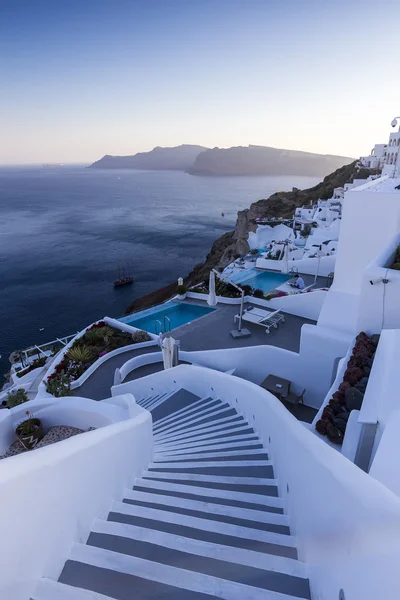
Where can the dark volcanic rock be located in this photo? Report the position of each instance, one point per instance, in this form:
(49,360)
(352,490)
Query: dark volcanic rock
(340,424)
(354,399)
(334,434)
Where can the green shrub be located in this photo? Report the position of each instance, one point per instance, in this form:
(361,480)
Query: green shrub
(92,336)
(16,398)
(59,385)
(181,290)
(140,336)
(247,289)
(80,354)
(258,293)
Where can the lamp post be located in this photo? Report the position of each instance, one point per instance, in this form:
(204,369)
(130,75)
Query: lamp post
(239,332)
(393,124)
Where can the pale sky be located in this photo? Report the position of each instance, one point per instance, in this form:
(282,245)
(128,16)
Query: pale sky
(81,79)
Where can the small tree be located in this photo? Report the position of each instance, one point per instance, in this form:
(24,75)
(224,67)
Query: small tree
(16,398)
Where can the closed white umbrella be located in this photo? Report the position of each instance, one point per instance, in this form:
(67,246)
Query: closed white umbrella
(212,299)
(168,352)
(180,281)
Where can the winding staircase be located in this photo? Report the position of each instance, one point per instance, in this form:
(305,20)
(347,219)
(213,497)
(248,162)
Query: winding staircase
(204,521)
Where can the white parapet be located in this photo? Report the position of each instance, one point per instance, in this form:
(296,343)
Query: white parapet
(51,496)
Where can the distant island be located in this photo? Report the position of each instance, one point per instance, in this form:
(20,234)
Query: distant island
(178,158)
(239,160)
(263,160)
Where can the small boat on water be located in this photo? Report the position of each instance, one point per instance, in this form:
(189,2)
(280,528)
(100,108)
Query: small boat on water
(124,278)
(123,281)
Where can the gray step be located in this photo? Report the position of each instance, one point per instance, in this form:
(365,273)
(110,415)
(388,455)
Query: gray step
(239,556)
(212,483)
(224,497)
(208,441)
(207,448)
(183,412)
(250,468)
(216,455)
(223,423)
(203,417)
(109,567)
(120,538)
(180,399)
(192,410)
(209,510)
(200,528)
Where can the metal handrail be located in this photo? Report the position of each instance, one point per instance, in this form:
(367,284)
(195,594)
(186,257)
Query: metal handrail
(168,321)
(155,327)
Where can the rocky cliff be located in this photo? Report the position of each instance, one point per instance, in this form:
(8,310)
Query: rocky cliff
(281,204)
(234,243)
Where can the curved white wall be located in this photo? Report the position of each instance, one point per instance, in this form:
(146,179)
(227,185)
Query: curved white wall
(51,496)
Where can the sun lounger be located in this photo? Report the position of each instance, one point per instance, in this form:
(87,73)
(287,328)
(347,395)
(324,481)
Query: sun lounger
(265,318)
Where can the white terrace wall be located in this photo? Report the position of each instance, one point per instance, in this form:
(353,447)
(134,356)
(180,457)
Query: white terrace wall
(382,394)
(313,369)
(347,524)
(308,266)
(369,220)
(307,305)
(50,498)
(379,303)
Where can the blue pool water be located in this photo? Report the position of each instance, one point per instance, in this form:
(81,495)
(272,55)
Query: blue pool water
(265,281)
(178,314)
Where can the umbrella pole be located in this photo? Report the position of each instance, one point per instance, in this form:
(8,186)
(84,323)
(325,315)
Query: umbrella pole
(241,312)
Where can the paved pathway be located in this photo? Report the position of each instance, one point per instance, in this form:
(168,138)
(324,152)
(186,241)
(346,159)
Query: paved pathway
(99,384)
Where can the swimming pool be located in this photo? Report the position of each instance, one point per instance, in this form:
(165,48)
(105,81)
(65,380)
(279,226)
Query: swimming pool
(265,281)
(171,314)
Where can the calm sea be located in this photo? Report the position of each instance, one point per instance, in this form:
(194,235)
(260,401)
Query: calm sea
(64,230)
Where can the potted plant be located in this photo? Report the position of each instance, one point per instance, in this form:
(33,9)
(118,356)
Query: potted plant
(29,432)
(181,292)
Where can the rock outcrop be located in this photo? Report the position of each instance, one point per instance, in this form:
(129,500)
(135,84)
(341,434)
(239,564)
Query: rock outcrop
(281,204)
(233,244)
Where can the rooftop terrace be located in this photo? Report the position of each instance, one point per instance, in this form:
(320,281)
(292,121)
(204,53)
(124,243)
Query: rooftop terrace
(213,331)
(383,184)
(209,332)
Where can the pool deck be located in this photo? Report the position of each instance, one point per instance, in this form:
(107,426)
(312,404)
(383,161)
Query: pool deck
(210,332)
